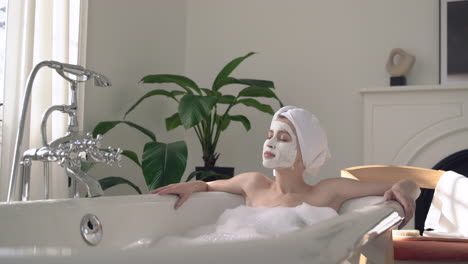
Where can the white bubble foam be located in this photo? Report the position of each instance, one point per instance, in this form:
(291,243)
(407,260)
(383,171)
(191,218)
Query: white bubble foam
(246,223)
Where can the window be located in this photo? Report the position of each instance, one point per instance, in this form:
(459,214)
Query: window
(37,31)
(3,16)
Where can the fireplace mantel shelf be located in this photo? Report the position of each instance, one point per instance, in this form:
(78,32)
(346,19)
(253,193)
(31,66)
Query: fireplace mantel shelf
(414,125)
(415,88)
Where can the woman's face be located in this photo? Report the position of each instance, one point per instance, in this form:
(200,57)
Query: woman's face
(279,149)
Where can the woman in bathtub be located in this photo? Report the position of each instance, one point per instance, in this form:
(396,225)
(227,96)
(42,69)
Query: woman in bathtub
(295,144)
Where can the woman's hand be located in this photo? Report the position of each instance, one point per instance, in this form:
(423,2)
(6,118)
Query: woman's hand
(183,190)
(405,192)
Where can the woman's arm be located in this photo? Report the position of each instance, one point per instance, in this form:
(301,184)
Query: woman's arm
(235,185)
(183,190)
(405,192)
(240,184)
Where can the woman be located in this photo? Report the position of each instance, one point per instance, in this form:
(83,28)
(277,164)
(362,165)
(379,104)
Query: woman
(295,144)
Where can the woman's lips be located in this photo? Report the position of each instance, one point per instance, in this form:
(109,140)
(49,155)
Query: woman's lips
(268,155)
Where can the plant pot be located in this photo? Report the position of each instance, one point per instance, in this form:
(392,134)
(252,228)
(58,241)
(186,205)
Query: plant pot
(227,171)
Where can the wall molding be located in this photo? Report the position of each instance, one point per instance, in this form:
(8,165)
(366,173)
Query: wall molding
(413,125)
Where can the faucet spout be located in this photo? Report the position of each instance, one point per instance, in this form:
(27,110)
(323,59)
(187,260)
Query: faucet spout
(93,187)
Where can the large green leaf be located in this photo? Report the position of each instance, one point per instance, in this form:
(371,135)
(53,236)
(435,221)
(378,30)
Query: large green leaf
(242,119)
(193,175)
(202,175)
(256,104)
(258,83)
(226,99)
(173,121)
(182,81)
(228,69)
(238,118)
(227,81)
(255,91)
(194,108)
(153,93)
(224,124)
(111,181)
(132,156)
(211,93)
(249,82)
(176,92)
(163,163)
(103,127)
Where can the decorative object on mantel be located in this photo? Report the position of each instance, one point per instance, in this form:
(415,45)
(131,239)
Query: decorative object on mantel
(453,41)
(398,72)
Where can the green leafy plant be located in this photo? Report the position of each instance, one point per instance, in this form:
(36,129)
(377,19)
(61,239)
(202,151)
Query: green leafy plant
(112,181)
(205,110)
(107,182)
(161,163)
(198,108)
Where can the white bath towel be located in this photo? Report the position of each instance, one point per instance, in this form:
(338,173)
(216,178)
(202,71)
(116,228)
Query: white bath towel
(449,208)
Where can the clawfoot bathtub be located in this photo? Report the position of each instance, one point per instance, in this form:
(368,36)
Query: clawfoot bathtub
(129,227)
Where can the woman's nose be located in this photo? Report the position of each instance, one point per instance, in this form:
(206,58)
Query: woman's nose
(271,144)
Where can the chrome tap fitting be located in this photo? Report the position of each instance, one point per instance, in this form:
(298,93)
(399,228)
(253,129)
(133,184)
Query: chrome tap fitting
(74,154)
(71,155)
(50,151)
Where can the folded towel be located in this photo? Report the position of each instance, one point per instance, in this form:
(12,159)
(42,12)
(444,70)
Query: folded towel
(442,234)
(449,208)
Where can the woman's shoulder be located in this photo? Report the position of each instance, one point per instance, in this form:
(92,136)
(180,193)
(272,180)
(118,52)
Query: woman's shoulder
(333,182)
(342,187)
(331,186)
(255,179)
(254,176)
(326,193)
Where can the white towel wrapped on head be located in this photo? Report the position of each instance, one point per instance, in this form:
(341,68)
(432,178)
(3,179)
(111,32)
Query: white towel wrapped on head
(311,136)
(449,208)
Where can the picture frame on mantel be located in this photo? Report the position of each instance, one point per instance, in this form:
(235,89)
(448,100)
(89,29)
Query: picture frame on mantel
(453,41)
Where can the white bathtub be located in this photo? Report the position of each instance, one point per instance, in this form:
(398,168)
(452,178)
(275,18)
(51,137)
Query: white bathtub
(49,232)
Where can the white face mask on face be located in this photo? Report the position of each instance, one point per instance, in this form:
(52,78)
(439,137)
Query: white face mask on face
(277,153)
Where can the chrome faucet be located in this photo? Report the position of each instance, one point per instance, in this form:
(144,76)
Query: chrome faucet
(74,153)
(70,151)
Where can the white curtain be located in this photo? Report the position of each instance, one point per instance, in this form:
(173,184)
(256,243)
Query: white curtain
(39,30)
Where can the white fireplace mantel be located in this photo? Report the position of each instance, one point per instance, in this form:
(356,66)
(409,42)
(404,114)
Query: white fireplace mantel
(414,125)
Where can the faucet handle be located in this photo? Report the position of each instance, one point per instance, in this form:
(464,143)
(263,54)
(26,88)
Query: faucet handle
(113,156)
(96,141)
(86,149)
(98,137)
(90,142)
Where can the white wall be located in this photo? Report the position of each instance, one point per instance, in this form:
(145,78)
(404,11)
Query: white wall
(127,40)
(318,53)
